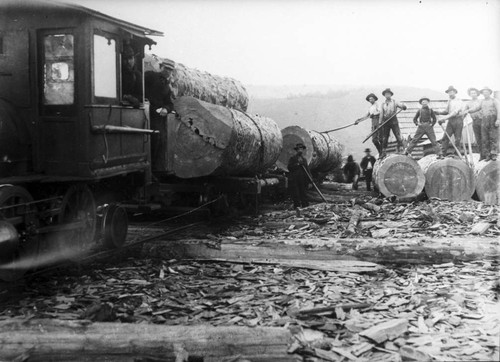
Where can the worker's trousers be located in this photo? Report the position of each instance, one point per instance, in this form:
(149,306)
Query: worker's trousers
(453,128)
(393,125)
(377,136)
(424,129)
(476,127)
(489,135)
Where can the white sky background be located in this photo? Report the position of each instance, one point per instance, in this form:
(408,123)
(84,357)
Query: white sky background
(429,44)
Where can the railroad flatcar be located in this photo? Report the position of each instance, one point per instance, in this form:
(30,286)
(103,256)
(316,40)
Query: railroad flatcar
(75,137)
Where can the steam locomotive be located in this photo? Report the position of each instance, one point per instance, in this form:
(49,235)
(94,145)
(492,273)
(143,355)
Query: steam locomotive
(74,154)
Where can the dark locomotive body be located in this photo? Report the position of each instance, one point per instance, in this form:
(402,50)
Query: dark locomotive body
(73,151)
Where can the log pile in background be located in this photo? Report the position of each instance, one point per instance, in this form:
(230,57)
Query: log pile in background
(398,175)
(488,181)
(208,139)
(447,179)
(207,87)
(323,152)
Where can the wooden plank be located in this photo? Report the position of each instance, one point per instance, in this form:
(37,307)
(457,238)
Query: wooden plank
(56,340)
(386,331)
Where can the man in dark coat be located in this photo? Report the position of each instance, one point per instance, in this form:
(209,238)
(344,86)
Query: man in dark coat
(367,166)
(131,78)
(351,172)
(298,177)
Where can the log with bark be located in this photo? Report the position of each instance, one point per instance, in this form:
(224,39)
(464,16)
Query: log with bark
(342,254)
(207,139)
(184,81)
(323,152)
(398,175)
(488,181)
(447,179)
(53,340)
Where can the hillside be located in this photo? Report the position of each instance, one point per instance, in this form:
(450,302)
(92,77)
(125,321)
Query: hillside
(321,108)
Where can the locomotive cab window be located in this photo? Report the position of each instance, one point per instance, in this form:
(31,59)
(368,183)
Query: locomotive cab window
(105,67)
(58,70)
(131,73)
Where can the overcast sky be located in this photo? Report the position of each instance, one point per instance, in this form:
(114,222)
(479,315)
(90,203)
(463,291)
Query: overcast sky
(424,43)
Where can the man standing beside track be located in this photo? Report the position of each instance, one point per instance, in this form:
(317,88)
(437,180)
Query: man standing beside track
(388,110)
(455,119)
(298,178)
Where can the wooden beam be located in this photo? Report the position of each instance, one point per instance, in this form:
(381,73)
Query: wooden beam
(352,254)
(57,340)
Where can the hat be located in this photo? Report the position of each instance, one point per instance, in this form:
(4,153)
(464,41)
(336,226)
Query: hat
(451,88)
(128,52)
(350,158)
(487,89)
(472,89)
(367,150)
(387,90)
(371,95)
(423,99)
(299,145)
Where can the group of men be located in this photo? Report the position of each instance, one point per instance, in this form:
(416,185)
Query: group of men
(485,115)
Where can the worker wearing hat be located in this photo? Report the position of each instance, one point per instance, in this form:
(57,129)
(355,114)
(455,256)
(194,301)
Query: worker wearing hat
(475,103)
(351,172)
(424,119)
(131,77)
(388,111)
(298,178)
(453,113)
(374,114)
(366,164)
(490,120)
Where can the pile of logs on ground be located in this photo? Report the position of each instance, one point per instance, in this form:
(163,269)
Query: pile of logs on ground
(450,178)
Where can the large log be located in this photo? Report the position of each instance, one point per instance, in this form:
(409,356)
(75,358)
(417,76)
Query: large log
(53,340)
(323,152)
(448,179)
(207,87)
(398,175)
(215,140)
(488,181)
(334,254)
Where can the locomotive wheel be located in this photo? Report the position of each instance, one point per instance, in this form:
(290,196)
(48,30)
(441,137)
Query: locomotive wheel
(115,224)
(78,205)
(26,252)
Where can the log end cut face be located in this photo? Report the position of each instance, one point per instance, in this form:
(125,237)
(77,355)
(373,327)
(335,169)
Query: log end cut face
(487,182)
(398,175)
(449,179)
(291,136)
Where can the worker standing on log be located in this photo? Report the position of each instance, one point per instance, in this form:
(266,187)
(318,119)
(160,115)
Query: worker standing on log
(475,104)
(388,110)
(351,171)
(367,166)
(297,178)
(374,114)
(424,119)
(455,119)
(490,112)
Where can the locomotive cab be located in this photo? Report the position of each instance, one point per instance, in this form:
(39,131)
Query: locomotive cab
(62,80)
